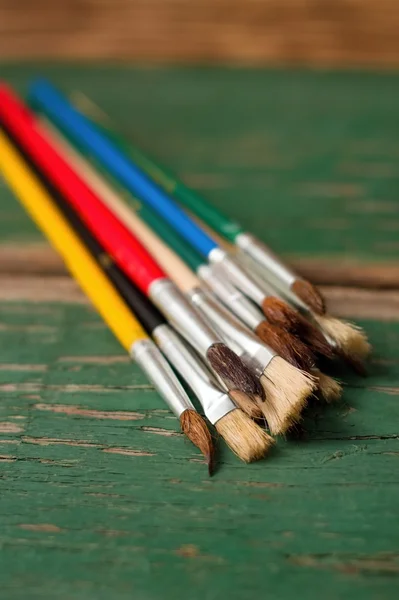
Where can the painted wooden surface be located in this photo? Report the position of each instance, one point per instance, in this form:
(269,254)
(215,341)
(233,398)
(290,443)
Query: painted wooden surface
(100,496)
(261,32)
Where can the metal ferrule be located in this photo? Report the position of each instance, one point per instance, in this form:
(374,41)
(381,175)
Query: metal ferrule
(232,297)
(251,350)
(276,270)
(181,314)
(216,404)
(237,274)
(146,354)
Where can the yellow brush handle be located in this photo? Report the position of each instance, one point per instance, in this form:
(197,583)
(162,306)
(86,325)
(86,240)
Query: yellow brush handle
(79,262)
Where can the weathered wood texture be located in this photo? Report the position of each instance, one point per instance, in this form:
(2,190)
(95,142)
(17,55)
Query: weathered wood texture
(100,497)
(313,32)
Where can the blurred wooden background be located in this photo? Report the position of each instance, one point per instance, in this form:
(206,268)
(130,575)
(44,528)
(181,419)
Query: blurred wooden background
(304,32)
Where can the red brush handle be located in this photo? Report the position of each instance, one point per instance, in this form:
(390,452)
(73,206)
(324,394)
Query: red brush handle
(119,242)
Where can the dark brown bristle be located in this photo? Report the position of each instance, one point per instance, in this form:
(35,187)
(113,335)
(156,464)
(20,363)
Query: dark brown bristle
(235,374)
(280,313)
(353,362)
(310,295)
(286,345)
(195,428)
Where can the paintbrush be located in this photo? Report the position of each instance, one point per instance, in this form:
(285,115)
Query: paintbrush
(281,403)
(245,438)
(128,252)
(284,344)
(346,338)
(79,128)
(285,279)
(103,295)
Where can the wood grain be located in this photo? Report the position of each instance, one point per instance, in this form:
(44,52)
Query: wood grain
(299,32)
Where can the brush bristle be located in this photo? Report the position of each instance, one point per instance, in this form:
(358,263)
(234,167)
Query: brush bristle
(329,388)
(246,403)
(350,339)
(280,313)
(310,295)
(286,345)
(287,391)
(195,428)
(235,374)
(245,438)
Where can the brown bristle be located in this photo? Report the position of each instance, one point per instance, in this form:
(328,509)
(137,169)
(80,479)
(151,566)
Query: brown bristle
(246,403)
(316,340)
(235,374)
(286,345)
(245,438)
(353,362)
(280,313)
(329,388)
(195,428)
(287,392)
(310,295)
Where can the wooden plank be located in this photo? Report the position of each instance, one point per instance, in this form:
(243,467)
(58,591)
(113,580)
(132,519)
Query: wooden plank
(39,258)
(311,32)
(94,474)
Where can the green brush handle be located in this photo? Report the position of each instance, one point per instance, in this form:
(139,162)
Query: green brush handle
(186,252)
(187,197)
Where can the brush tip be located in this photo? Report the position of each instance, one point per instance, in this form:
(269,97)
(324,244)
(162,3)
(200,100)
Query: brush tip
(329,388)
(231,369)
(286,345)
(287,390)
(351,342)
(195,428)
(280,313)
(248,404)
(310,295)
(245,438)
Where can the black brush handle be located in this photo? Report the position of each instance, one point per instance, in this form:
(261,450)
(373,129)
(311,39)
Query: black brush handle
(148,315)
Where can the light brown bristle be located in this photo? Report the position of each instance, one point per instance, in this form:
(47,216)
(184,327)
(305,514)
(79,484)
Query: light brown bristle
(195,428)
(329,388)
(349,338)
(310,295)
(245,438)
(287,391)
(247,404)
(286,345)
(235,374)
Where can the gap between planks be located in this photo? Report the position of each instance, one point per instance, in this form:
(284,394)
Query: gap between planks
(39,259)
(351,303)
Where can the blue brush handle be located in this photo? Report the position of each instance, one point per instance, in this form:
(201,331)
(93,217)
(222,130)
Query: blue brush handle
(50,101)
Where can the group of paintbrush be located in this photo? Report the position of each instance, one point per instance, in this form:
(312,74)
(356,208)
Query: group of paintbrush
(174,278)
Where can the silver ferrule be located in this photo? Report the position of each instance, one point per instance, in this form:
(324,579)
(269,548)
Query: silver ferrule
(216,404)
(237,274)
(146,354)
(251,350)
(278,272)
(181,314)
(231,296)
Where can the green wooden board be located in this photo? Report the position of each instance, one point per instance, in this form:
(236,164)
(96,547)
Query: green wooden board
(100,496)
